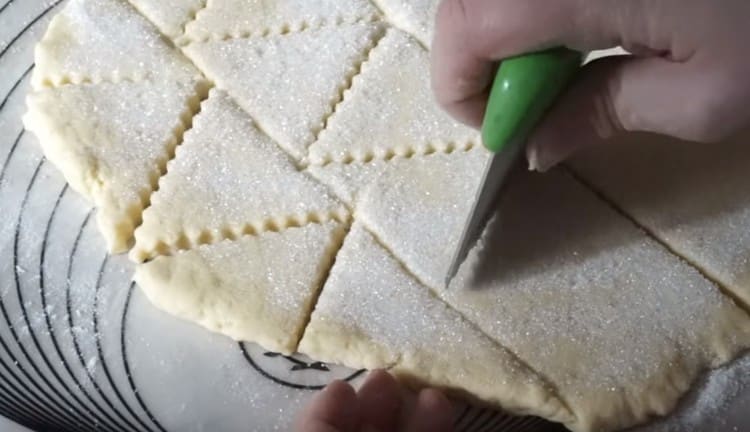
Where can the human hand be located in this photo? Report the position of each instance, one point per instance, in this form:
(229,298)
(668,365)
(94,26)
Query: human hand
(380,405)
(689,76)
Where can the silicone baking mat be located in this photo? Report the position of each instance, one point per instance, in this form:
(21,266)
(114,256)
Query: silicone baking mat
(81,348)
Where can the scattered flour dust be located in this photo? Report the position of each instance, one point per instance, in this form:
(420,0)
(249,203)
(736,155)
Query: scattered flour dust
(709,401)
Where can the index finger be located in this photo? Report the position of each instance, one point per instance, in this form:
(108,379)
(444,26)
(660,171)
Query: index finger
(472,35)
(334,409)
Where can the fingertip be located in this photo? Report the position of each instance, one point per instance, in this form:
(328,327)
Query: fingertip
(435,401)
(379,375)
(584,115)
(433,412)
(459,77)
(335,406)
(380,398)
(337,389)
(469,111)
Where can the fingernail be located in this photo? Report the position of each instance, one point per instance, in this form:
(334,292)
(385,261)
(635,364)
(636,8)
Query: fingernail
(532,155)
(539,161)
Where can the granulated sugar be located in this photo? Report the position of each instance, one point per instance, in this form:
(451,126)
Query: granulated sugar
(105,40)
(288,83)
(394,89)
(223,19)
(227,175)
(711,403)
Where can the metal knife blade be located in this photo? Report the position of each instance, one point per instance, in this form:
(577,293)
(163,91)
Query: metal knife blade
(495,173)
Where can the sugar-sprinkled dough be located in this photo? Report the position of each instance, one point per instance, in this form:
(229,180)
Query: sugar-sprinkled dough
(416,205)
(105,40)
(692,196)
(389,109)
(255,289)
(239,18)
(112,142)
(414,16)
(620,326)
(169,15)
(348,180)
(373,314)
(227,178)
(288,83)
(571,294)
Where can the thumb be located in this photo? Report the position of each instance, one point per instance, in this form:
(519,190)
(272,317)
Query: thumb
(626,93)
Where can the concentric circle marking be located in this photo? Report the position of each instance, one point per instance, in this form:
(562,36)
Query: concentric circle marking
(123,347)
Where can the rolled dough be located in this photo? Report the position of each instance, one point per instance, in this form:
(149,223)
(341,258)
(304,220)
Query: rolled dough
(693,197)
(258,288)
(288,83)
(227,180)
(568,312)
(416,17)
(112,143)
(228,19)
(105,40)
(170,15)
(392,88)
(619,325)
(373,314)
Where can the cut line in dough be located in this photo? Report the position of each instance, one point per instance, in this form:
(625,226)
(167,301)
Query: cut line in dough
(373,314)
(418,207)
(112,143)
(232,19)
(416,17)
(170,16)
(254,289)
(617,323)
(691,197)
(228,179)
(580,317)
(106,40)
(303,74)
(389,109)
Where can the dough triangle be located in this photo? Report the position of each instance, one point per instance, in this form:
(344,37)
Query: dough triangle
(256,289)
(417,206)
(693,197)
(223,19)
(372,314)
(228,179)
(389,109)
(288,83)
(169,15)
(105,40)
(618,324)
(112,142)
(414,16)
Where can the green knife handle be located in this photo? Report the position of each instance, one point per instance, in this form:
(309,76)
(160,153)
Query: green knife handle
(525,87)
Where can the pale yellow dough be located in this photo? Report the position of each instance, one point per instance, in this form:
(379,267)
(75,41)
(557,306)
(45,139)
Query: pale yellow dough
(258,288)
(228,179)
(105,40)
(417,206)
(225,19)
(390,109)
(413,16)
(170,15)
(302,73)
(112,142)
(619,325)
(693,197)
(373,314)
(322,122)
